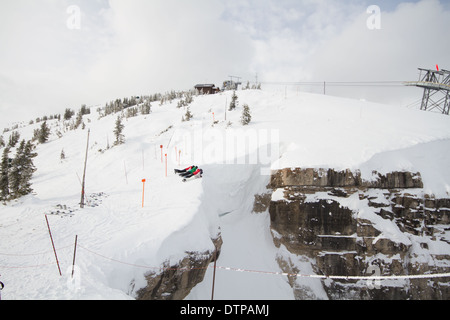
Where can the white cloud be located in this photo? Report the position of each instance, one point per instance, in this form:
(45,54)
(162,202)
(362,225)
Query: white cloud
(165,44)
(410,37)
(42,62)
(139,46)
(327,40)
(123,48)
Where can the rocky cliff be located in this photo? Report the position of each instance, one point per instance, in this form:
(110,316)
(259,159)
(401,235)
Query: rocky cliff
(175,281)
(336,223)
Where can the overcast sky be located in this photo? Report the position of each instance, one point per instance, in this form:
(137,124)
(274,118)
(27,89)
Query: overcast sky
(51,58)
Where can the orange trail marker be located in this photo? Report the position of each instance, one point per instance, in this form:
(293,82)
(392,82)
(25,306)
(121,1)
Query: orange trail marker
(143,191)
(161,147)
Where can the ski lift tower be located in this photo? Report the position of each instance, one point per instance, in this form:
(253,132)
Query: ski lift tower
(436,85)
(237,83)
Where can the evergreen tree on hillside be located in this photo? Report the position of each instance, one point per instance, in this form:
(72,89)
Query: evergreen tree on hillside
(22,169)
(188,116)
(79,119)
(68,114)
(43,133)
(13,139)
(233,103)
(2,142)
(120,138)
(15,172)
(246,116)
(28,168)
(146,107)
(4,171)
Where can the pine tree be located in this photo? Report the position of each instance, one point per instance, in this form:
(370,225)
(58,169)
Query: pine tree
(68,114)
(234,102)
(79,119)
(13,139)
(146,107)
(28,169)
(4,171)
(44,132)
(188,116)
(15,172)
(22,170)
(246,116)
(120,138)
(2,142)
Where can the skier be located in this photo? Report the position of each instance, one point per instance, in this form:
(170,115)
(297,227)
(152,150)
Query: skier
(193,175)
(189,171)
(182,171)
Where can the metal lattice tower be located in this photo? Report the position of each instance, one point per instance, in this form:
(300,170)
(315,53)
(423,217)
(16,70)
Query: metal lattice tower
(436,84)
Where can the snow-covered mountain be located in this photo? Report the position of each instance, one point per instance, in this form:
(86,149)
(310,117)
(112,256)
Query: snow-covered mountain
(121,237)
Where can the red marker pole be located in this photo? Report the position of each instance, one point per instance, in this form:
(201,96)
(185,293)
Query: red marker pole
(214,118)
(437,67)
(161,147)
(166,164)
(143,189)
(53,245)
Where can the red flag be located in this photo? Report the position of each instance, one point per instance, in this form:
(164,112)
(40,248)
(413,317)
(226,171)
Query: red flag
(437,67)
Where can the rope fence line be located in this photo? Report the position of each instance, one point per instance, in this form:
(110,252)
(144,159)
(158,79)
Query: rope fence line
(233,269)
(372,277)
(28,267)
(33,254)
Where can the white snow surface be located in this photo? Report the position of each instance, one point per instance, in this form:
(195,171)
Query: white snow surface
(119,240)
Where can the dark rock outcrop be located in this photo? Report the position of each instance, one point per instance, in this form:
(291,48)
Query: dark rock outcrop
(175,281)
(350,227)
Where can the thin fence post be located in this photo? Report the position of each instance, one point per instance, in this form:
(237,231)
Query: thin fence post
(74,254)
(214,273)
(84,172)
(53,244)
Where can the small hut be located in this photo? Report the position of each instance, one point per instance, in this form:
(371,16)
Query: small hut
(207,88)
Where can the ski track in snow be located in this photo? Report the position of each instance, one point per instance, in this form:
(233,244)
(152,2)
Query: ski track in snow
(119,240)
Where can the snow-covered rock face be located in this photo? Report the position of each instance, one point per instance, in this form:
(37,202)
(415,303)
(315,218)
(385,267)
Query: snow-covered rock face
(342,225)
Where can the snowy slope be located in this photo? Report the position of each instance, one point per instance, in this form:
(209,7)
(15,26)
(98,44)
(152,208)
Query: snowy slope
(118,240)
